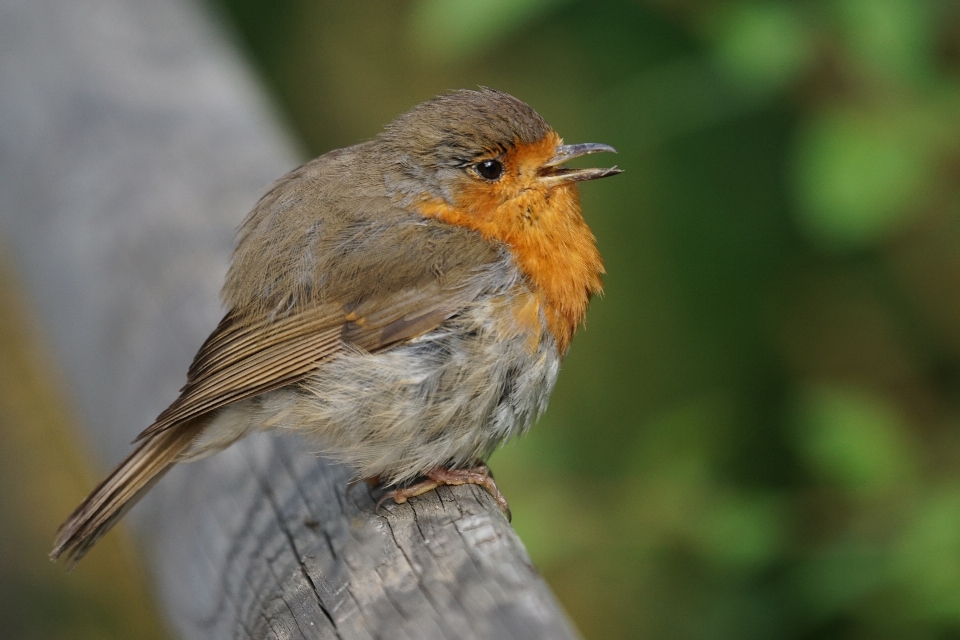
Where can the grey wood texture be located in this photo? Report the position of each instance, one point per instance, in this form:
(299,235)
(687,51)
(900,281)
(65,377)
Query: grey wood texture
(132,142)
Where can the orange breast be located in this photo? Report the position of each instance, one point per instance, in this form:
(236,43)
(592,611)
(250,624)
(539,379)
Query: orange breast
(545,231)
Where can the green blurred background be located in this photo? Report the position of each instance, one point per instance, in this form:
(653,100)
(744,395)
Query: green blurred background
(757,435)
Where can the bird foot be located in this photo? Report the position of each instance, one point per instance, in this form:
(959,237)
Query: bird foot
(479,475)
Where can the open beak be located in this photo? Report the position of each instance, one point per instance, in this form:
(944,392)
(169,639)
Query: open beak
(552,174)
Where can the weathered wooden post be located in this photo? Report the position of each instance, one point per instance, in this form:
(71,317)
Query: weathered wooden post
(132,141)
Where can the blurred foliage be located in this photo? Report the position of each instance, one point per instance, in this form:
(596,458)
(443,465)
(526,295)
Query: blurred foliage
(758,433)
(41,480)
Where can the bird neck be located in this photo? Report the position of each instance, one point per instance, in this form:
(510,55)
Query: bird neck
(549,240)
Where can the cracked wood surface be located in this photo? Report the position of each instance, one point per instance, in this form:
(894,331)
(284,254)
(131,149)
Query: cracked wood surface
(298,556)
(132,143)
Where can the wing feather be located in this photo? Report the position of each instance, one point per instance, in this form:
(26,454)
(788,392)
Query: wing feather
(243,358)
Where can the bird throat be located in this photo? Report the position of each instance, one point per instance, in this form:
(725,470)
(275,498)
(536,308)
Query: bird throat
(549,240)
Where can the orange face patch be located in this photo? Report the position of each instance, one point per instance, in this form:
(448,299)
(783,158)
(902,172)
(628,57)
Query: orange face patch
(543,227)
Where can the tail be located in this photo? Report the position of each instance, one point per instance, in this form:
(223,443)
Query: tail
(121,489)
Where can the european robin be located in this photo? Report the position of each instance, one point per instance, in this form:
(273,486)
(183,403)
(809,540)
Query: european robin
(404,302)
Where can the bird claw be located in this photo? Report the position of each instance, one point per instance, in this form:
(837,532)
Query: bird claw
(479,475)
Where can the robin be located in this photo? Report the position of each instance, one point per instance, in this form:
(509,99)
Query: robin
(404,302)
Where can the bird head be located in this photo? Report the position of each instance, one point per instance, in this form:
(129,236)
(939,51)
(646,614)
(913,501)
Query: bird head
(488,162)
(480,149)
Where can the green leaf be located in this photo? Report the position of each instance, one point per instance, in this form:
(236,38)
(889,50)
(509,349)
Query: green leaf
(891,38)
(764,46)
(450,30)
(859,176)
(853,438)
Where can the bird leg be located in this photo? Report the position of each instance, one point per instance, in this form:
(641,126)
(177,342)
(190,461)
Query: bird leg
(479,475)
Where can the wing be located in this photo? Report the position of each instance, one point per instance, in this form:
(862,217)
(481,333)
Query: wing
(243,358)
(328,242)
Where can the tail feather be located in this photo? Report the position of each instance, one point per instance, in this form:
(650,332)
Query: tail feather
(119,491)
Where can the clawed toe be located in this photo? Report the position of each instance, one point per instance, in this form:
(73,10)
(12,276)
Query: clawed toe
(479,475)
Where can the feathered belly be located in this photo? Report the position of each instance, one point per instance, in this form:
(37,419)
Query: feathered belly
(446,398)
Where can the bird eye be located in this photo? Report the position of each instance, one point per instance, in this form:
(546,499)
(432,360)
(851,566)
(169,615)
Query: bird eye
(489,169)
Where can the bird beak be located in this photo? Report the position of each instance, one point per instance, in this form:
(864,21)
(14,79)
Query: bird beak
(552,174)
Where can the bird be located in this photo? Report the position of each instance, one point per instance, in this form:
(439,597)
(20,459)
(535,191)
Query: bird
(404,303)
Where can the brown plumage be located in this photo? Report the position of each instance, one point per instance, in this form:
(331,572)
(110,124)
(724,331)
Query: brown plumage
(404,303)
